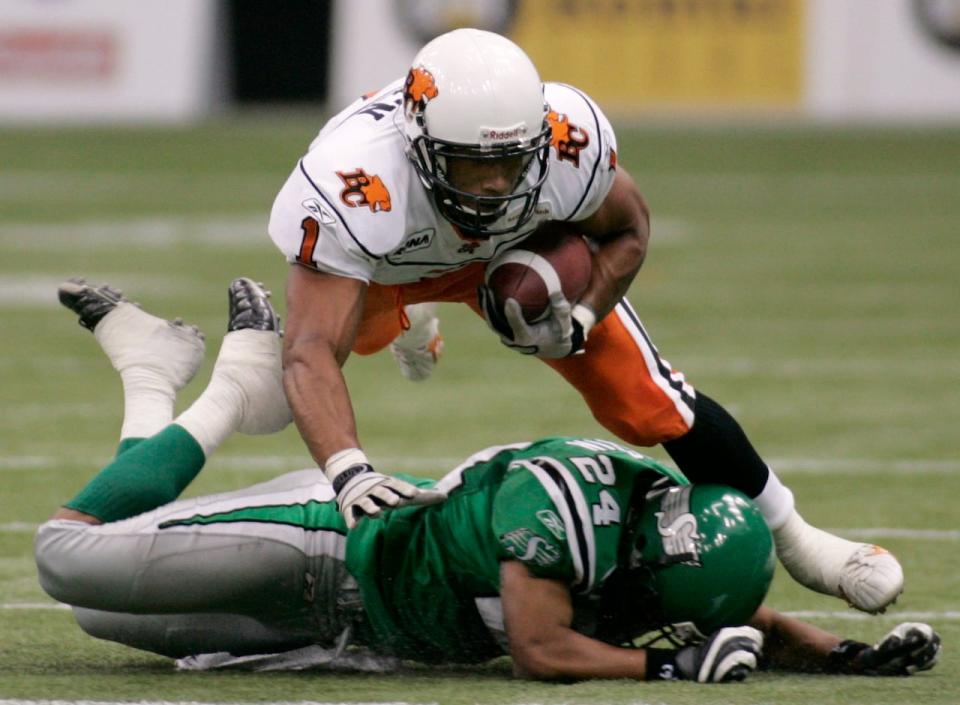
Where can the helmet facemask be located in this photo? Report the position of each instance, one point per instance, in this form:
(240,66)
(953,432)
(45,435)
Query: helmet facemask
(483,216)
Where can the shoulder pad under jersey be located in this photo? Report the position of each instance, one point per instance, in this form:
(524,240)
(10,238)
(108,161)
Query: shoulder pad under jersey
(583,153)
(353,185)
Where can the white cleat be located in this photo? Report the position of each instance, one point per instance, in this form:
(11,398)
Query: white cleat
(133,338)
(868,577)
(418,349)
(250,361)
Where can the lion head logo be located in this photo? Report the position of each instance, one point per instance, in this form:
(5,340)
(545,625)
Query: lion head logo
(419,89)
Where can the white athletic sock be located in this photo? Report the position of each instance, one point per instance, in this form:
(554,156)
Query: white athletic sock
(148,400)
(215,414)
(775,502)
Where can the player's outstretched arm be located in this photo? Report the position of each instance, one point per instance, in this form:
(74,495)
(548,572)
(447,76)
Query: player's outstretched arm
(538,614)
(323,314)
(796,645)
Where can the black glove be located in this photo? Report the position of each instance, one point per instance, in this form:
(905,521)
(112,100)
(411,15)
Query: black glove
(728,655)
(908,648)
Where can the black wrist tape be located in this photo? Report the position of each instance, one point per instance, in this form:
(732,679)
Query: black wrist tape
(662,665)
(344,477)
(841,658)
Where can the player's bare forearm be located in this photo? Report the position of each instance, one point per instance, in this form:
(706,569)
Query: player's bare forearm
(538,615)
(792,644)
(621,230)
(323,312)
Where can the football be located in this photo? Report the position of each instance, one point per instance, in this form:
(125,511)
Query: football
(555,257)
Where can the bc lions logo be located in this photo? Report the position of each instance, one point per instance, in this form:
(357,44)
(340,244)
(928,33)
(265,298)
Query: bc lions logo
(565,137)
(364,190)
(418,90)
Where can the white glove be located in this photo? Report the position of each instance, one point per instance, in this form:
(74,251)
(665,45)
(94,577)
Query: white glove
(727,655)
(908,648)
(561,334)
(361,491)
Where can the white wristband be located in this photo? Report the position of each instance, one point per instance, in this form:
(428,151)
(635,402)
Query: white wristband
(343,459)
(586,316)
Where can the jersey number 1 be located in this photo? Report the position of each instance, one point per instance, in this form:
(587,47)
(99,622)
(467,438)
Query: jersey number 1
(311,233)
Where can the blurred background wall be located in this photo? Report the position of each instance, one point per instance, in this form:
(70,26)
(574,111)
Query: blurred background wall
(180,60)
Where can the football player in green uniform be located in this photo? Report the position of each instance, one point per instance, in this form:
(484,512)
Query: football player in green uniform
(565,553)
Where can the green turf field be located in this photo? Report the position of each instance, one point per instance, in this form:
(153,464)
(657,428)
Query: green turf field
(808,279)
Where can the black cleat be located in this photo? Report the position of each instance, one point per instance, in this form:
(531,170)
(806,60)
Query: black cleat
(250,307)
(91,303)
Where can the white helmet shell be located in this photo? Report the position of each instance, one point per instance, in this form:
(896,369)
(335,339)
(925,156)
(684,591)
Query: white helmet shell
(486,89)
(472,94)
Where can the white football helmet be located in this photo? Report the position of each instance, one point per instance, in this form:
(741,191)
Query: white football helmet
(476,95)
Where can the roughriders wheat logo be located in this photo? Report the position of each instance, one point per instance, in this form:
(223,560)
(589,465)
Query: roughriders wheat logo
(530,548)
(678,527)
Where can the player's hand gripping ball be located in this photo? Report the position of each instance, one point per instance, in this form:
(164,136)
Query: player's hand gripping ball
(530,293)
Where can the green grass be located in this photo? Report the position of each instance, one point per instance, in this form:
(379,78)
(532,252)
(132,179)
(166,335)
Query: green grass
(806,278)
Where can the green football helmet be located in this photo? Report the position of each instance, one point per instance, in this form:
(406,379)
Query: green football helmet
(707,552)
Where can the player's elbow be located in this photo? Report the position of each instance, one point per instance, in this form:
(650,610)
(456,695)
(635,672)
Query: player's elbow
(534,660)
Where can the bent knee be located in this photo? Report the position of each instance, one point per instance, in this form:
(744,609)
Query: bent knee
(644,429)
(58,567)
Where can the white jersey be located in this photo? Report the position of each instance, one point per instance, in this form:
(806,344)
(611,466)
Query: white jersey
(354,205)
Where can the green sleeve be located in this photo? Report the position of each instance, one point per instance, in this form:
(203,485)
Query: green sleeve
(527,528)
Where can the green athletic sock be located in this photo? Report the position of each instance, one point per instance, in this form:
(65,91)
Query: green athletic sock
(126,444)
(146,476)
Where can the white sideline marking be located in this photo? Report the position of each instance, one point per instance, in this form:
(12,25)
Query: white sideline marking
(34,606)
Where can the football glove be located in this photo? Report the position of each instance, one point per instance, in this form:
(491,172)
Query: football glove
(561,334)
(727,655)
(362,491)
(908,648)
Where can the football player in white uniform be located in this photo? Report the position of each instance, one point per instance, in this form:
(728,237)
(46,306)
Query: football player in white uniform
(401,201)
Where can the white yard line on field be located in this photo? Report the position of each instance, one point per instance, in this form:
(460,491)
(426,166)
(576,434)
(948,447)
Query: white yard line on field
(143,232)
(860,466)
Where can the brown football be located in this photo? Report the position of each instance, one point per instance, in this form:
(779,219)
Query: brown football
(555,256)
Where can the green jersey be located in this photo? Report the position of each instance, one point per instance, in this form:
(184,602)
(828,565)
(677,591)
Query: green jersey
(558,505)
